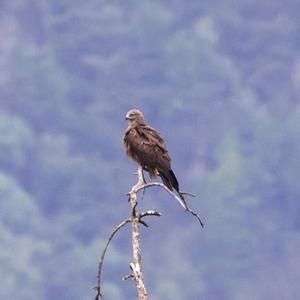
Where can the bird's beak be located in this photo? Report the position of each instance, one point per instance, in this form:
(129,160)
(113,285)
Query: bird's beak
(126,118)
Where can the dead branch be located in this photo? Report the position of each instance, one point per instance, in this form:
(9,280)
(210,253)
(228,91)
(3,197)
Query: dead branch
(115,230)
(135,220)
(188,194)
(130,276)
(148,213)
(181,201)
(136,265)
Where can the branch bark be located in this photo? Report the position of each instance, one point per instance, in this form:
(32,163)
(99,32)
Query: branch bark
(136,265)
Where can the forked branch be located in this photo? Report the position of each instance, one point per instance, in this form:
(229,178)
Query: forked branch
(182,202)
(135,220)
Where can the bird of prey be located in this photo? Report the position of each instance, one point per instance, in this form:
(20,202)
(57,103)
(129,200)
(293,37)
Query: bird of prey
(145,145)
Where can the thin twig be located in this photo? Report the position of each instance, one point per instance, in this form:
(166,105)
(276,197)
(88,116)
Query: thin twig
(188,194)
(143,223)
(115,230)
(148,213)
(130,276)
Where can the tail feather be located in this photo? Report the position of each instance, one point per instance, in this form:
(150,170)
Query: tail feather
(169,179)
(165,180)
(173,180)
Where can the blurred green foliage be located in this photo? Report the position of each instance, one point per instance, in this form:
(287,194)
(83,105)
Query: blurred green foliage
(221,81)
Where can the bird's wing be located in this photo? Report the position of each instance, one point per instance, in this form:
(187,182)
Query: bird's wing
(131,143)
(145,145)
(154,147)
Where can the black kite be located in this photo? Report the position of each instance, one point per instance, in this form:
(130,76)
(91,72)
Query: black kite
(145,145)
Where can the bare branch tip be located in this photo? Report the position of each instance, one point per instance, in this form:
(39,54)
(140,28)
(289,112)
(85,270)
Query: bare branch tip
(197,216)
(150,213)
(130,276)
(143,223)
(188,194)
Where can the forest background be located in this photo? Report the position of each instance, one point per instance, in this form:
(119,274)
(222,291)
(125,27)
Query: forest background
(219,79)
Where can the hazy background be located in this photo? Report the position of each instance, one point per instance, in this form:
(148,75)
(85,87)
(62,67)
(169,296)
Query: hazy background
(221,81)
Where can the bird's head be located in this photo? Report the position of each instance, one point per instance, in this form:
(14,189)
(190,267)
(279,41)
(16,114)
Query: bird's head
(135,116)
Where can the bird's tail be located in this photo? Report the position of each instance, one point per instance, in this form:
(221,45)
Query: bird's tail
(166,180)
(169,179)
(173,181)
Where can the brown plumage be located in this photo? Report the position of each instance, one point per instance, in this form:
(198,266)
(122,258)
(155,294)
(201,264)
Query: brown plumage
(145,145)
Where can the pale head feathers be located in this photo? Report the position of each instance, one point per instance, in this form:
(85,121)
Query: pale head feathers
(135,116)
